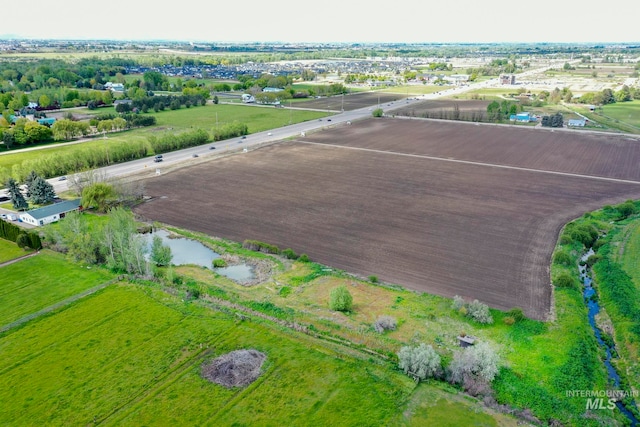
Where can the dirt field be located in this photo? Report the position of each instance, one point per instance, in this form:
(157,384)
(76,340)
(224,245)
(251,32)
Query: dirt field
(351,101)
(443,107)
(445,208)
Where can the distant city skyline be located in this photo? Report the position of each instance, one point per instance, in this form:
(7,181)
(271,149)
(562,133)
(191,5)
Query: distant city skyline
(330,21)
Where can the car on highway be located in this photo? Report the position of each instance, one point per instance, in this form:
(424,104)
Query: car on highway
(212,148)
(62,178)
(194,155)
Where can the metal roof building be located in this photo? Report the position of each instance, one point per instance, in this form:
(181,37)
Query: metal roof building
(50,213)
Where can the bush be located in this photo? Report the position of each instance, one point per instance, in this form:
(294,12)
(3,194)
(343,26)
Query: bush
(420,362)
(340,299)
(565,280)
(22,241)
(385,323)
(479,312)
(516,313)
(562,257)
(378,112)
(479,361)
(458,303)
(219,263)
(304,258)
(373,279)
(289,254)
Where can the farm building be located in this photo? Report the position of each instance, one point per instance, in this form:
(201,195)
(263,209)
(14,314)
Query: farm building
(50,213)
(576,122)
(523,117)
(507,79)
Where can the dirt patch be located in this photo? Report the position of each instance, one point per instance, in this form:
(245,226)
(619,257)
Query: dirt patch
(444,208)
(351,101)
(236,369)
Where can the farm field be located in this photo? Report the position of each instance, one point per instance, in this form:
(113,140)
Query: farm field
(132,355)
(37,282)
(442,208)
(420,109)
(351,102)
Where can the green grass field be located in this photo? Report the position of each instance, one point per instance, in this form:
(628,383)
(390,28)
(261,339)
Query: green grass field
(9,250)
(257,118)
(37,282)
(131,355)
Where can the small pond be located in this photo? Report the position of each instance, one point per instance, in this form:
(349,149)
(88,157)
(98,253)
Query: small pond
(187,251)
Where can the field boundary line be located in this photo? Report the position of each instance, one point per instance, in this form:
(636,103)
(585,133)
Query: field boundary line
(471,162)
(56,306)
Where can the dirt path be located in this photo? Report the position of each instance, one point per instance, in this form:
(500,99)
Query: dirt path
(11,261)
(55,306)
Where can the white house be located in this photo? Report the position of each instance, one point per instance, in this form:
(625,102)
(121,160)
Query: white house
(114,87)
(50,213)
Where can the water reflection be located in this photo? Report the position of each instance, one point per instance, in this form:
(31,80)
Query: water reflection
(191,252)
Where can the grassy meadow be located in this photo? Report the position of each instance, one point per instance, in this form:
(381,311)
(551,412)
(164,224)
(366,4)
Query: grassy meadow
(35,283)
(132,354)
(9,250)
(258,119)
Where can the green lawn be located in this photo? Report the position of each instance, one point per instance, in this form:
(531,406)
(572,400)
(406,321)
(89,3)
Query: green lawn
(9,250)
(132,356)
(257,118)
(34,283)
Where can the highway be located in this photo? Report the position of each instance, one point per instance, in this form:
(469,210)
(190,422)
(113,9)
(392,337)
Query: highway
(237,145)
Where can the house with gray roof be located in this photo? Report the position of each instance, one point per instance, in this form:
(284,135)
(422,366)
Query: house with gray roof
(50,213)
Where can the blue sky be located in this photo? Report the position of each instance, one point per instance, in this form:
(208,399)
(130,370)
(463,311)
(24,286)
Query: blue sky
(407,21)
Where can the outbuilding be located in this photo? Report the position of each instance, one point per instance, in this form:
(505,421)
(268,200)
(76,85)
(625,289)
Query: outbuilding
(50,213)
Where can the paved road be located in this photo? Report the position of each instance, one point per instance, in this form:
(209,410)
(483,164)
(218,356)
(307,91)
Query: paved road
(253,140)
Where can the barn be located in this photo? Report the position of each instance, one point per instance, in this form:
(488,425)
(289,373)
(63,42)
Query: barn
(50,213)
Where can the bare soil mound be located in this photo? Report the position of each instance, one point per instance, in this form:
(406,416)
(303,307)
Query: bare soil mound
(236,369)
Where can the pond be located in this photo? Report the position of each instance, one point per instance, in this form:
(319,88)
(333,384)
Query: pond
(187,251)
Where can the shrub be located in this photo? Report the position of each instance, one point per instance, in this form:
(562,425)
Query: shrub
(304,258)
(479,312)
(516,313)
(378,112)
(289,254)
(420,362)
(22,241)
(340,299)
(385,323)
(219,263)
(479,361)
(565,280)
(255,245)
(562,257)
(458,303)
(626,209)
(373,279)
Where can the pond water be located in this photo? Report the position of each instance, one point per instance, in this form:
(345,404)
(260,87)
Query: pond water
(187,251)
(590,298)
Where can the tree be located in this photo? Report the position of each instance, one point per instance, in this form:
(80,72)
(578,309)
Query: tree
(40,191)
(17,198)
(421,362)
(479,362)
(75,238)
(340,299)
(160,254)
(122,248)
(378,112)
(98,195)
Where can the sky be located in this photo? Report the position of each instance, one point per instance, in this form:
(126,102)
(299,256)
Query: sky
(329,21)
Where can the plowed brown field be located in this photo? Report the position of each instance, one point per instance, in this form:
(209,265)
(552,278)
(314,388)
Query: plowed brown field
(444,208)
